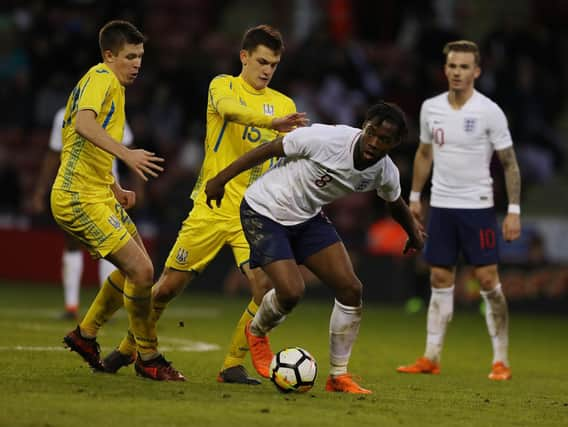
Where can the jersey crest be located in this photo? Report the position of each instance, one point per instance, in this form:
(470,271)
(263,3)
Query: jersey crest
(469,124)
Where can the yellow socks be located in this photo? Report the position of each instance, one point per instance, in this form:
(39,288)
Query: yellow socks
(239,346)
(108,300)
(128,343)
(138,304)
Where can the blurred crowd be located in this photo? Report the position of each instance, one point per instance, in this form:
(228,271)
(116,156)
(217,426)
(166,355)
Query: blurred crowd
(340,56)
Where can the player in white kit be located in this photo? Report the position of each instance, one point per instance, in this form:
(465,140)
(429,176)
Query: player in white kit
(459,131)
(282,218)
(72,257)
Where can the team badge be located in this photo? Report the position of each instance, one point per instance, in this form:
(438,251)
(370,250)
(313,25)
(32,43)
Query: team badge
(114,222)
(268,109)
(181,256)
(362,185)
(469,124)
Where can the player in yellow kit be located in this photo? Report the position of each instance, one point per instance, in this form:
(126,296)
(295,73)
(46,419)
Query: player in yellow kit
(242,113)
(89,204)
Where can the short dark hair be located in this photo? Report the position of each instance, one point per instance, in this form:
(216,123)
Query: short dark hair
(115,34)
(391,112)
(262,35)
(463,46)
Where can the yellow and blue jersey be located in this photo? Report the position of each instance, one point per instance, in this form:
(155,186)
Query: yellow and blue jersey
(232,102)
(84,167)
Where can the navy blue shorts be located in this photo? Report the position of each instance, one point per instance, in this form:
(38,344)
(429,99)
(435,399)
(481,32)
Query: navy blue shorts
(472,232)
(270,241)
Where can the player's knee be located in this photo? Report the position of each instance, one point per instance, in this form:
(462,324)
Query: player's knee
(290,298)
(144,275)
(351,294)
(441,278)
(487,282)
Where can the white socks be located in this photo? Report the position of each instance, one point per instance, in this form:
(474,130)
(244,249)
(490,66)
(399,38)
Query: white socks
(497,317)
(343,330)
(440,311)
(72,269)
(269,315)
(105,268)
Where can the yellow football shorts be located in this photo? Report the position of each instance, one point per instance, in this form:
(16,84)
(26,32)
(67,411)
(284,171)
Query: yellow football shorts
(100,223)
(203,234)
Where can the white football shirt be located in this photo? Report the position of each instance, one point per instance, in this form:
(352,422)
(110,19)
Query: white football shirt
(318,169)
(56,143)
(463,143)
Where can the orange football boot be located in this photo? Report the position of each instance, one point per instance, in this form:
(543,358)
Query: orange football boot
(344,384)
(260,352)
(500,372)
(423,365)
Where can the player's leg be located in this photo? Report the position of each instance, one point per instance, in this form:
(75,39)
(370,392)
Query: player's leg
(333,266)
(71,272)
(270,249)
(479,234)
(497,318)
(134,261)
(233,370)
(441,252)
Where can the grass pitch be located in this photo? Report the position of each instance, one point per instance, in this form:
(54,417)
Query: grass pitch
(44,385)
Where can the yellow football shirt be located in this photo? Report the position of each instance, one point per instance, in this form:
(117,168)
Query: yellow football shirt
(233,101)
(84,167)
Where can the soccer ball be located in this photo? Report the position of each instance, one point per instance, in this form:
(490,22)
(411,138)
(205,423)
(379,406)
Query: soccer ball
(293,369)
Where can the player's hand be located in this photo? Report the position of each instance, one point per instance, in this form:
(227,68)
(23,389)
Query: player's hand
(214,190)
(511,227)
(416,211)
(416,242)
(126,198)
(143,163)
(290,122)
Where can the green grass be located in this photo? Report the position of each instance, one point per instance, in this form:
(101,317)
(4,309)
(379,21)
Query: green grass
(45,386)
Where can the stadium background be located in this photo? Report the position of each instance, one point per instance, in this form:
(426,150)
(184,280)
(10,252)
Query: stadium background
(340,55)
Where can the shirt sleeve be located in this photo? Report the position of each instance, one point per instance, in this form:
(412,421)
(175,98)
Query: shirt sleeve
(498,128)
(55,137)
(93,92)
(224,101)
(300,142)
(425,131)
(389,185)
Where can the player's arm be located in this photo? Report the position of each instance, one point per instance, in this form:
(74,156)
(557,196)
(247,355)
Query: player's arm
(229,107)
(400,212)
(142,162)
(420,172)
(512,222)
(47,173)
(215,187)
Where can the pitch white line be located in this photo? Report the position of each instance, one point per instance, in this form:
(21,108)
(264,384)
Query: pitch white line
(190,347)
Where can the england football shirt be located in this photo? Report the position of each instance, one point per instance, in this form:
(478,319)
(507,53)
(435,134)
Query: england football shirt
(318,169)
(463,142)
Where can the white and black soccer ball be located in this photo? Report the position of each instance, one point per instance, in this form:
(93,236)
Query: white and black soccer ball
(293,369)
